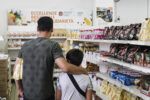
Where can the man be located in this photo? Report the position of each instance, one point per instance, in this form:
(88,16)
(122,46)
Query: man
(39,56)
(67,90)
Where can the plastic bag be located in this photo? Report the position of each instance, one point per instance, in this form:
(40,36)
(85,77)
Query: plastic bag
(18,70)
(145,31)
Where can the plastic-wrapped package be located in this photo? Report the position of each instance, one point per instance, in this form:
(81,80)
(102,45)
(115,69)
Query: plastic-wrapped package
(131,54)
(145,30)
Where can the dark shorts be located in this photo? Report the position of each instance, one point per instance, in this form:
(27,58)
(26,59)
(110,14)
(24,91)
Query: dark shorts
(51,98)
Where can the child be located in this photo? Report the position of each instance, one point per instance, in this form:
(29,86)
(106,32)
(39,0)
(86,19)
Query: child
(66,89)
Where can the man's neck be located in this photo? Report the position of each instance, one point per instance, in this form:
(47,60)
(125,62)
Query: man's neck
(44,35)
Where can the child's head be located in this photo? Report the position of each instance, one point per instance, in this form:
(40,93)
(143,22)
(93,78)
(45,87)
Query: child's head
(75,56)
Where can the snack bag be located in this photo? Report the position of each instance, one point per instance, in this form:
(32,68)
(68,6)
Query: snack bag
(145,31)
(118,95)
(104,86)
(113,93)
(133,97)
(18,70)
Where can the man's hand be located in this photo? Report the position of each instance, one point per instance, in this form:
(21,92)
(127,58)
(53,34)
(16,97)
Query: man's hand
(69,68)
(20,93)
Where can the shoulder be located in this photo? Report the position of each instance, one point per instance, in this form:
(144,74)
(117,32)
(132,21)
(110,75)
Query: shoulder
(62,75)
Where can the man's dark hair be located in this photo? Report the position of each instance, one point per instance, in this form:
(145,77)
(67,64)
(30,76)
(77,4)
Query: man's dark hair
(75,56)
(45,24)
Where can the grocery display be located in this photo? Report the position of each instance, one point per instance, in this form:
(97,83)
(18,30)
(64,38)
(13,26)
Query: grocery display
(114,36)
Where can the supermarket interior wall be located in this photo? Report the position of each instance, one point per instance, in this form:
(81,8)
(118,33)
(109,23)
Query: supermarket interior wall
(8,4)
(132,11)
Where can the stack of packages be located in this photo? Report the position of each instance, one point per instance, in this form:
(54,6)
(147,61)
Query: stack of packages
(4,78)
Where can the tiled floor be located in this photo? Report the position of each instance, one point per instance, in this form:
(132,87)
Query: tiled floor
(13,95)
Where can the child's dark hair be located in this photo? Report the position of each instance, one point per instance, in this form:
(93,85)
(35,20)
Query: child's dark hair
(45,24)
(75,56)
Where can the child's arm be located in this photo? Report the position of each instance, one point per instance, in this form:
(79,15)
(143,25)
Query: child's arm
(89,95)
(89,90)
(58,94)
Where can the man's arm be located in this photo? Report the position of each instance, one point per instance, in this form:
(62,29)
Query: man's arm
(69,68)
(89,95)
(58,94)
(18,82)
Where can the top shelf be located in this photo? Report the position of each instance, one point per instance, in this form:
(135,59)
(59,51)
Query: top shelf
(132,42)
(29,38)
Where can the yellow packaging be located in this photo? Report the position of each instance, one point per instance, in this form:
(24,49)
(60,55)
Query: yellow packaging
(127,96)
(117,94)
(112,94)
(133,97)
(145,31)
(104,86)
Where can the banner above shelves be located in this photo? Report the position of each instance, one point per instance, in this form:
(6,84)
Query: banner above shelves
(71,17)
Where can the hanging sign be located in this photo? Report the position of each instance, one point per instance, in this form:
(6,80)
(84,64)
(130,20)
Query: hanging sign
(60,17)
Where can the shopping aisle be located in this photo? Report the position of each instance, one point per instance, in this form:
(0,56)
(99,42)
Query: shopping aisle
(13,94)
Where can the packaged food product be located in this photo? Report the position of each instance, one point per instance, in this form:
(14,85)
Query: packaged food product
(117,32)
(131,54)
(122,32)
(113,50)
(111,32)
(138,28)
(133,97)
(104,87)
(122,51)
(126,80)
(145,85)
(106,31)
(113,74)
(117,94)
(140,56)
(145,30)
(147,58)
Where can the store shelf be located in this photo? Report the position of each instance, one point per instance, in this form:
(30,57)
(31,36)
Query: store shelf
(18,48)
(25,38)
(132,42)
(29,38)
(58,38)
(127,65)
(131,89)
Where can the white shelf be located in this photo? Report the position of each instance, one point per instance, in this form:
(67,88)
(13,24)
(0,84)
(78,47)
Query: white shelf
(58,38)
(25,38)
(133,42)
(29,38)
(131,89)
(17,48)
(127,65)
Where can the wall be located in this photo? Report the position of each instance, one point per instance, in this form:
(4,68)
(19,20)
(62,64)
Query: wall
(132,11)
(7,4)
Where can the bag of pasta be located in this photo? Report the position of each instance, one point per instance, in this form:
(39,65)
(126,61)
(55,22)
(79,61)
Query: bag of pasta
(18,70)
(145,31)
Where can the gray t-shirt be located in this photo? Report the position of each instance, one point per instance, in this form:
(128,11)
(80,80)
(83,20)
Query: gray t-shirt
(39,56)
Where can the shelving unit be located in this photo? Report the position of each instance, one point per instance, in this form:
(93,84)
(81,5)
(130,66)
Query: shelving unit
(29,38)
(132,42)
(131,89)
(127,65)
(18,48)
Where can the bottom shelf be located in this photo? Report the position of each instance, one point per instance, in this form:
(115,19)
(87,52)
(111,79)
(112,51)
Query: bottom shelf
(131,89)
